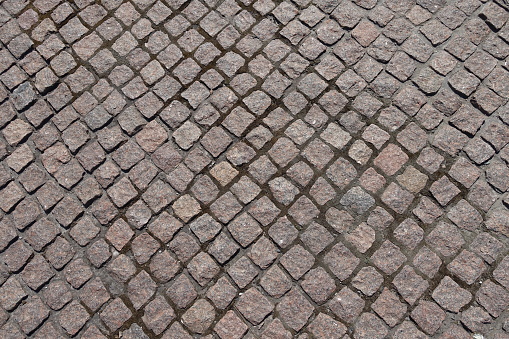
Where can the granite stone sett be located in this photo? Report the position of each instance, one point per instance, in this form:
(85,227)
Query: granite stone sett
(254,169)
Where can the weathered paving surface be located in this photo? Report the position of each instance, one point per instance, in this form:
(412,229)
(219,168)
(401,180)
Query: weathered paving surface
(254,169)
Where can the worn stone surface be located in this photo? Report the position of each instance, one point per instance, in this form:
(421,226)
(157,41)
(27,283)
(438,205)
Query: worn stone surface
(254,169)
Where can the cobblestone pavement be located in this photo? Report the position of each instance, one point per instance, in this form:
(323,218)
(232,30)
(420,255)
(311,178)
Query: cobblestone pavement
(254,169)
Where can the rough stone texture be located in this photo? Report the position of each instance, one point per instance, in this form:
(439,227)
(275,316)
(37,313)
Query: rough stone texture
(254,169)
